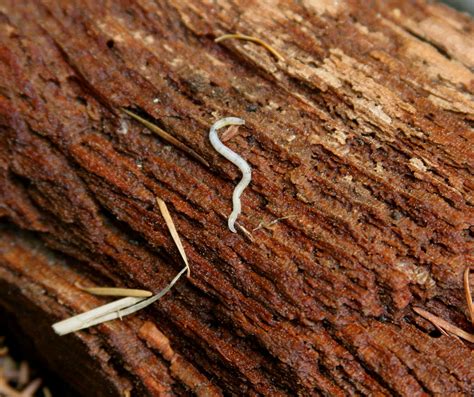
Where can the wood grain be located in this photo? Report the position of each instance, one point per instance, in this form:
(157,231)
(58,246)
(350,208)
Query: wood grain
(361,140)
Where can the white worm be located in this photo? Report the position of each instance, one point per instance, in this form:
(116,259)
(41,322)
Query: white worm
(233,158)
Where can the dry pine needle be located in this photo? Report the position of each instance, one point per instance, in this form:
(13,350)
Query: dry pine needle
(112,291)
(166,136)
(467,291)
(174,233)
(444,325)
(253,39)
(130,304)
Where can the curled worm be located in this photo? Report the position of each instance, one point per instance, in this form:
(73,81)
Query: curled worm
(233,158)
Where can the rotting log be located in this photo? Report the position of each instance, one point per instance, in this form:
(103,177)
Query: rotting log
(360,141)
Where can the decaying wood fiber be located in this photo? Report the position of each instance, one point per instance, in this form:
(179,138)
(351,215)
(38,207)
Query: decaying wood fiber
(361,139)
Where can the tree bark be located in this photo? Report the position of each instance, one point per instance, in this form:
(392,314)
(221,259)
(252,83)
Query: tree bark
(360,207)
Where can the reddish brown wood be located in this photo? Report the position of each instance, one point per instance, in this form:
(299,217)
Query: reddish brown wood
(360,140)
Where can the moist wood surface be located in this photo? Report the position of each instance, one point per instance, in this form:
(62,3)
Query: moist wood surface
(361,139)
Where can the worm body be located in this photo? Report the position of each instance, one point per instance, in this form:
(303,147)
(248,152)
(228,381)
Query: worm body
(233,158)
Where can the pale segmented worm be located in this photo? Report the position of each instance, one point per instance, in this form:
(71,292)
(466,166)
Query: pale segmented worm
(233,158)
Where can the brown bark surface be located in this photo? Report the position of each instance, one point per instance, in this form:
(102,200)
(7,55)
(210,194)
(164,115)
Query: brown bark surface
(361,139)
